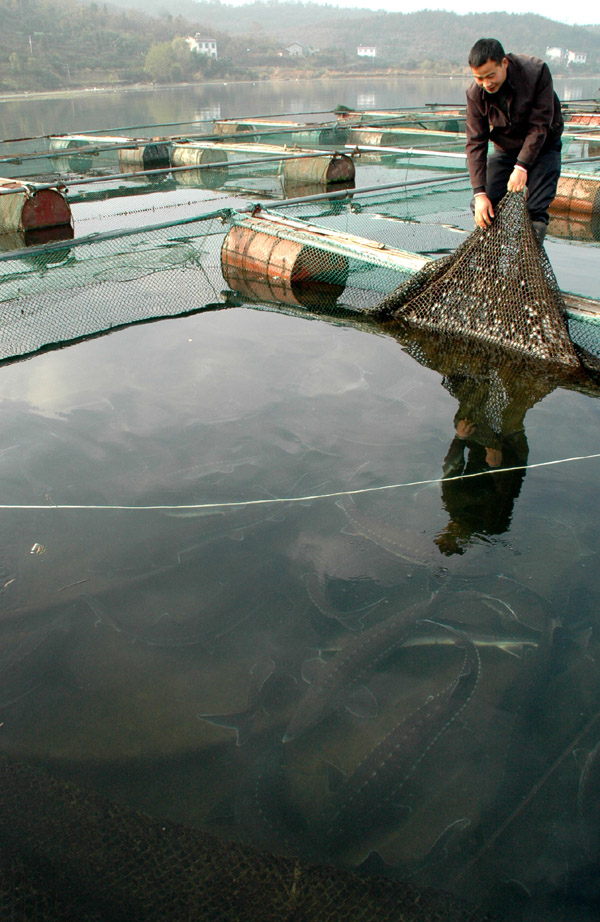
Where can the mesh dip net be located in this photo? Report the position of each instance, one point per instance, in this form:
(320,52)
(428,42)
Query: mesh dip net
(68,855)
(498,287)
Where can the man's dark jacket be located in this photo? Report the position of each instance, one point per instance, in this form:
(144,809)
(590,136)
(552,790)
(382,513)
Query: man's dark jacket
(533,125)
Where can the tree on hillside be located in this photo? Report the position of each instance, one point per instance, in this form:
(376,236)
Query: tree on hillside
(159,62)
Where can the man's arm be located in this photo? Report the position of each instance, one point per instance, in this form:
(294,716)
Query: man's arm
(478,135)
(540,119)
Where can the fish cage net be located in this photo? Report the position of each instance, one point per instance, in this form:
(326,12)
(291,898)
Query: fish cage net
(68,854)
(360,250)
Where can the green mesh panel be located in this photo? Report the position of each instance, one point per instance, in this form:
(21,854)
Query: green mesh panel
(72,289)
(68,854)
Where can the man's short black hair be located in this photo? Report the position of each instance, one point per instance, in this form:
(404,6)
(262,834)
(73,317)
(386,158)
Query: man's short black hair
(486,49)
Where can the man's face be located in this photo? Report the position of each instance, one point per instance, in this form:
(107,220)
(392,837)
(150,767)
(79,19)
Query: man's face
(491,75)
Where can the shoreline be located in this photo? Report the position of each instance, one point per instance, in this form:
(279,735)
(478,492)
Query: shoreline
(287,78)
(147,87)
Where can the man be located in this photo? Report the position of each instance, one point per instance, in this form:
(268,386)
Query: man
(513,104)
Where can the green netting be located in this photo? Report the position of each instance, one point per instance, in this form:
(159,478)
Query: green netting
(72,289)
(68,854)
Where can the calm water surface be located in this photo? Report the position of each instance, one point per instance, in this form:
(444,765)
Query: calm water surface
(235,504)
(114,109)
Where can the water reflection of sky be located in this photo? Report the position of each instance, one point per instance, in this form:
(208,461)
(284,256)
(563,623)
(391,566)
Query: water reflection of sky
(159,635)
(161,656)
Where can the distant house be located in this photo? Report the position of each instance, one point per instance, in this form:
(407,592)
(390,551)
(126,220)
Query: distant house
(366,51)
(202,45)
(564,56)
(295,49)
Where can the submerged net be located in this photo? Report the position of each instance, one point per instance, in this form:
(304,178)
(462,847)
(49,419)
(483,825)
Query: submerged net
(68,854)
(498,287)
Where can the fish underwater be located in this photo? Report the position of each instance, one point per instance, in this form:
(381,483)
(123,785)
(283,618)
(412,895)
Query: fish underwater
(336,683)
(269,687)
(366,800)
(414,550)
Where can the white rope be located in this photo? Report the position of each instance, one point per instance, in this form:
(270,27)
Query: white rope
(297,499)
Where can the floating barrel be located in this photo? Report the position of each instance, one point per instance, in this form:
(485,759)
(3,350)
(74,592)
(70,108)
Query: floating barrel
(582,226)
(28,209)
(577,193)
(236,126)
(78,163)
(330,136)
(214,162)
(584,118)
(18,240)
(266,267)
(371,137)
(227,127)
(321,170)
(197,155)
(153,156)
(294,189)
(397,137)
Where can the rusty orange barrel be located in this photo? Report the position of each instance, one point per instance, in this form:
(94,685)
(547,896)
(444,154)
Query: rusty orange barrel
(575,226)
(25,209)
(152,156)
(577,194)
(584,118)
(20,240)
(321,170)
(372,137)
(395,136)
(318,296)
(267,267)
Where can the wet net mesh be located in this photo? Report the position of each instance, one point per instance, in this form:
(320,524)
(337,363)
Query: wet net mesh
(67,854)
(498,286)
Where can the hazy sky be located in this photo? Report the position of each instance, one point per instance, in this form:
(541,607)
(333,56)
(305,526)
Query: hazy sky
(559,10)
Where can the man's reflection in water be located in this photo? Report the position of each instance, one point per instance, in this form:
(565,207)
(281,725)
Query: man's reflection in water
(494,388)
(480,505)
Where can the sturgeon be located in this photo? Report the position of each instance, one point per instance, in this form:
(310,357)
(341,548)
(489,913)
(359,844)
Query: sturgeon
(336,680)
(364,800)
(386,536)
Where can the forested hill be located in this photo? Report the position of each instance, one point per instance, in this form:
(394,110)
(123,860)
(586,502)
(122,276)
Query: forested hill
(57,44)
(435,32)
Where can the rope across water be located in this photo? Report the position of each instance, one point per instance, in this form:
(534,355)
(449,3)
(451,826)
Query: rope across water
(270,501)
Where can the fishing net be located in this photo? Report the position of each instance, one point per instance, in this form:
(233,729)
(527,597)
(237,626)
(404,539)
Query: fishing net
(498,286)
(92,860)
(494,387)
(71,289)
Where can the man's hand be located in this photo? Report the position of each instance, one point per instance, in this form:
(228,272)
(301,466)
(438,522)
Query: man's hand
(484,211)
(517,180)
(493,457)
(465,427)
